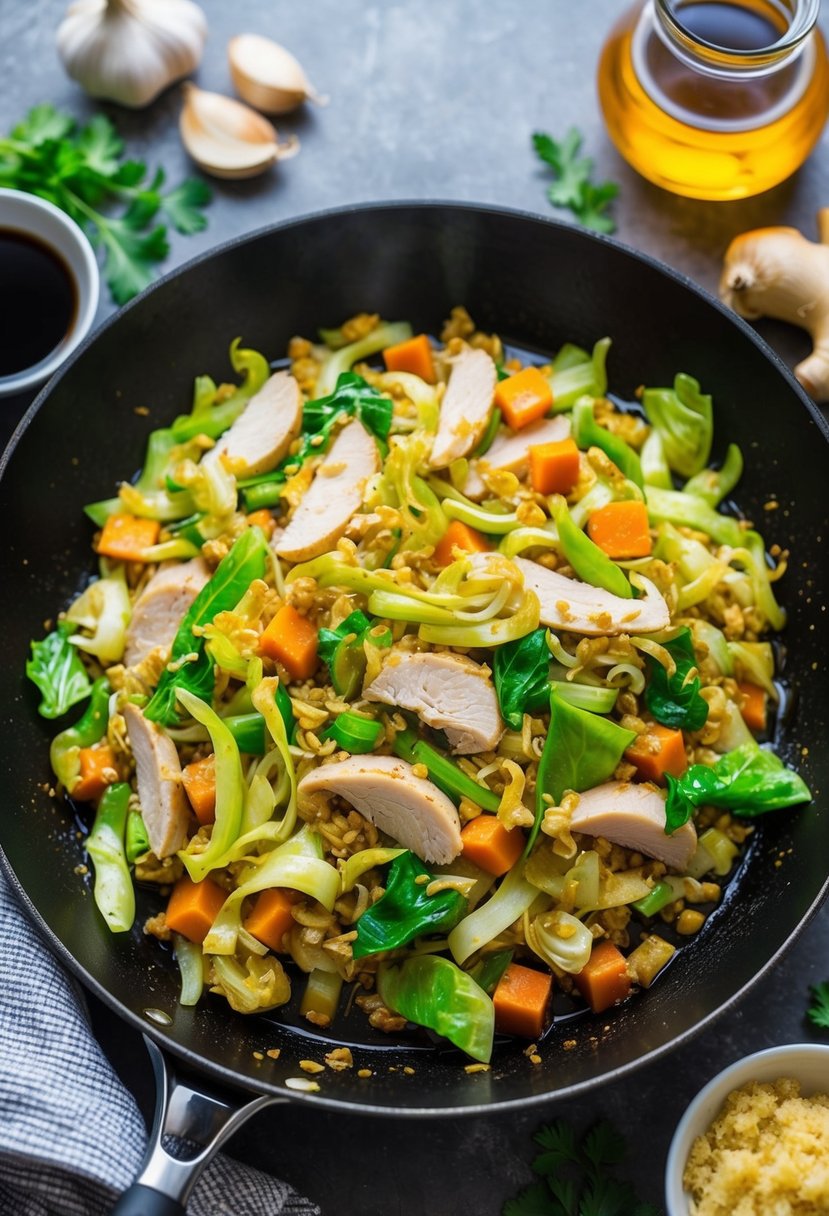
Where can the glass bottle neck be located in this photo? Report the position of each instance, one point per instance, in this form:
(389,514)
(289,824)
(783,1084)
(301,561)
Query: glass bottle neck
(718,53)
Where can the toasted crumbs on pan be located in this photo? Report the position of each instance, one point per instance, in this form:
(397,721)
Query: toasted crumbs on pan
(364,1072)
(258,1055)
(311,1066)
(473,1068)
(81,870)
(143,411)
(273,1053)
(303,1084)
(408,1070)
(339,1059)
(530,1049)
(535,1058)
(569,1044)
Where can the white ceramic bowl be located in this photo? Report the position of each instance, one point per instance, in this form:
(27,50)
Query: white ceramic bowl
(807,1063)
(32,215)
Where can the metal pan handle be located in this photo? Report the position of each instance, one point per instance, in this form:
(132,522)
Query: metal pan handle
(189,1126)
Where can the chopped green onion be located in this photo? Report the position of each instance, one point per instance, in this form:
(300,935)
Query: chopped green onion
(446,775)
(659,898)
(356,734)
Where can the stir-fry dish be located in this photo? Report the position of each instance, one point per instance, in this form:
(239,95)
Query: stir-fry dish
(422,678)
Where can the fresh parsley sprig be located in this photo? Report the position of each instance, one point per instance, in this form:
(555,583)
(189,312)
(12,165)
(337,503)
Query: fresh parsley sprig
(818,1011)
(574,1178)
(80,170)
(572,188)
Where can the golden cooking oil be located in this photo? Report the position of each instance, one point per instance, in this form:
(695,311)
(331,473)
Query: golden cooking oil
(715,100)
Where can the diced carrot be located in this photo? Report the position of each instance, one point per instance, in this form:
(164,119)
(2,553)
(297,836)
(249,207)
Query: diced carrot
(97,772)
(413,355)
(264,520)
(292,640)
(554,467)
(270,918)
(199,781)
(524,397)
(604,979)
(621,529)
(459,536)
(488,844)
(125,537)
(522,1000)
(193,907)
(753,702)
(669,756)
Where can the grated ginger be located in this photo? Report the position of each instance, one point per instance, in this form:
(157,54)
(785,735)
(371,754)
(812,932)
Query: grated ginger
(766,1152)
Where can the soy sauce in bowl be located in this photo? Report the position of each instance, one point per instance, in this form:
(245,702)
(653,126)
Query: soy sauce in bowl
(38,301)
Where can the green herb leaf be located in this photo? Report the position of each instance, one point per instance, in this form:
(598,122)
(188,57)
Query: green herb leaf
(818,1011)
(183,205)
(748,781)
(675,700)
(572,189)
(534,1200)
(405,911)
(521,672)
(558,1142)
(43,123)
(56,669)
(433,992)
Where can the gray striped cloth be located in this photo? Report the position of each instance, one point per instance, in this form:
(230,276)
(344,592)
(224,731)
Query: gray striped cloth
(71,1136)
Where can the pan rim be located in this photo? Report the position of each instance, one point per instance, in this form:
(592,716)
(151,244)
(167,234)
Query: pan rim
(219,1072)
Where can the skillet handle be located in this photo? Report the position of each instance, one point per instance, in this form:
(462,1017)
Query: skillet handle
(189,1127)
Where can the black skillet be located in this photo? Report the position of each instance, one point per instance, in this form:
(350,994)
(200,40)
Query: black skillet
(538,284)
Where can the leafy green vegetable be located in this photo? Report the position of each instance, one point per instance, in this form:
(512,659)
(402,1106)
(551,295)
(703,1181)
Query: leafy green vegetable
(58,672)
(446,775)
(748,781)
(433,992)
(352,395)
(114,893)
(691,511)
(588,433)
(207,418)
(575,372)
(79,170)
(572,188)
(329,639)
(684,419)
(521,672)
(387,334)
(574,1176)
(89,729)
(818,1011)
(406,911)
(190,667)
(137,840)
(230,789)
(675,700)
(712,485)
(590,563)
(581,750)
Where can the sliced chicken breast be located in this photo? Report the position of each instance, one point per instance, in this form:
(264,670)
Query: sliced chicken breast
(567,603)
(158,775)
(465,408)
(158,611)
(335,495)
(634,816)
(447,692)
(408,808)
(263,432)
(510,451)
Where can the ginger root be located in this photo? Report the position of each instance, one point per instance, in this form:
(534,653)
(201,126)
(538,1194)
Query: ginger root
(777,272)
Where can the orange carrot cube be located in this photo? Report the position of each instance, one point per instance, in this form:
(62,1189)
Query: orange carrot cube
(193,907)
(604,979)
(413,355)
(292,640)
(522,1001)
(621,529)
(97,772)
(554,467)
(753,705)
(459,536)
(660,751)
(199,781)
(488,844)
(125,537)
(270,918)
(524,397)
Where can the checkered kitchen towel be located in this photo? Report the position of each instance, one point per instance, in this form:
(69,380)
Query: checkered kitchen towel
(71,1136)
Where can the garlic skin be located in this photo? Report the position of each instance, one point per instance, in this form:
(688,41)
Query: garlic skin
(267,76)
(130,50)
(777,272)
(229,139)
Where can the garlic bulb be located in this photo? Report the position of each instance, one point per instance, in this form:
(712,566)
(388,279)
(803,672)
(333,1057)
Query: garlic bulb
(130,50)
(229,139)
(267,76)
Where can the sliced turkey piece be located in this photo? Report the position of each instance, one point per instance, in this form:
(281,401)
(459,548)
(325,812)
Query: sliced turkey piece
(634,816)
(158,775)
(334,496)
(158,611)
(446,692)
(263,432)
(465,408)
(510,451)
(567,603)
(386,791)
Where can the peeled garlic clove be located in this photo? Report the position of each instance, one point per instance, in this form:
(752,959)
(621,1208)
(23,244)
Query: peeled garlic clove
(229,139)
(267,76)
(131,50)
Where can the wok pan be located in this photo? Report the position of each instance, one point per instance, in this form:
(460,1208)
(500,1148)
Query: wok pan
(538,284)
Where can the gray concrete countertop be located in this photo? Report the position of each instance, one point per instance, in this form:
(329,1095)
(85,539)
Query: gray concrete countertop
(438,100)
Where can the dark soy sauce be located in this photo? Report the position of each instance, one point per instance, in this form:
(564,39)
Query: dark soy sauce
(37,301)
(732,27)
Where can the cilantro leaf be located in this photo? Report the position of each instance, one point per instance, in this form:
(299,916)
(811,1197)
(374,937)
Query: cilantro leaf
(818,1011)
(82,172)
(603,1145)
(182,206)
(558,1140)
(572,188)
(534,1200)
